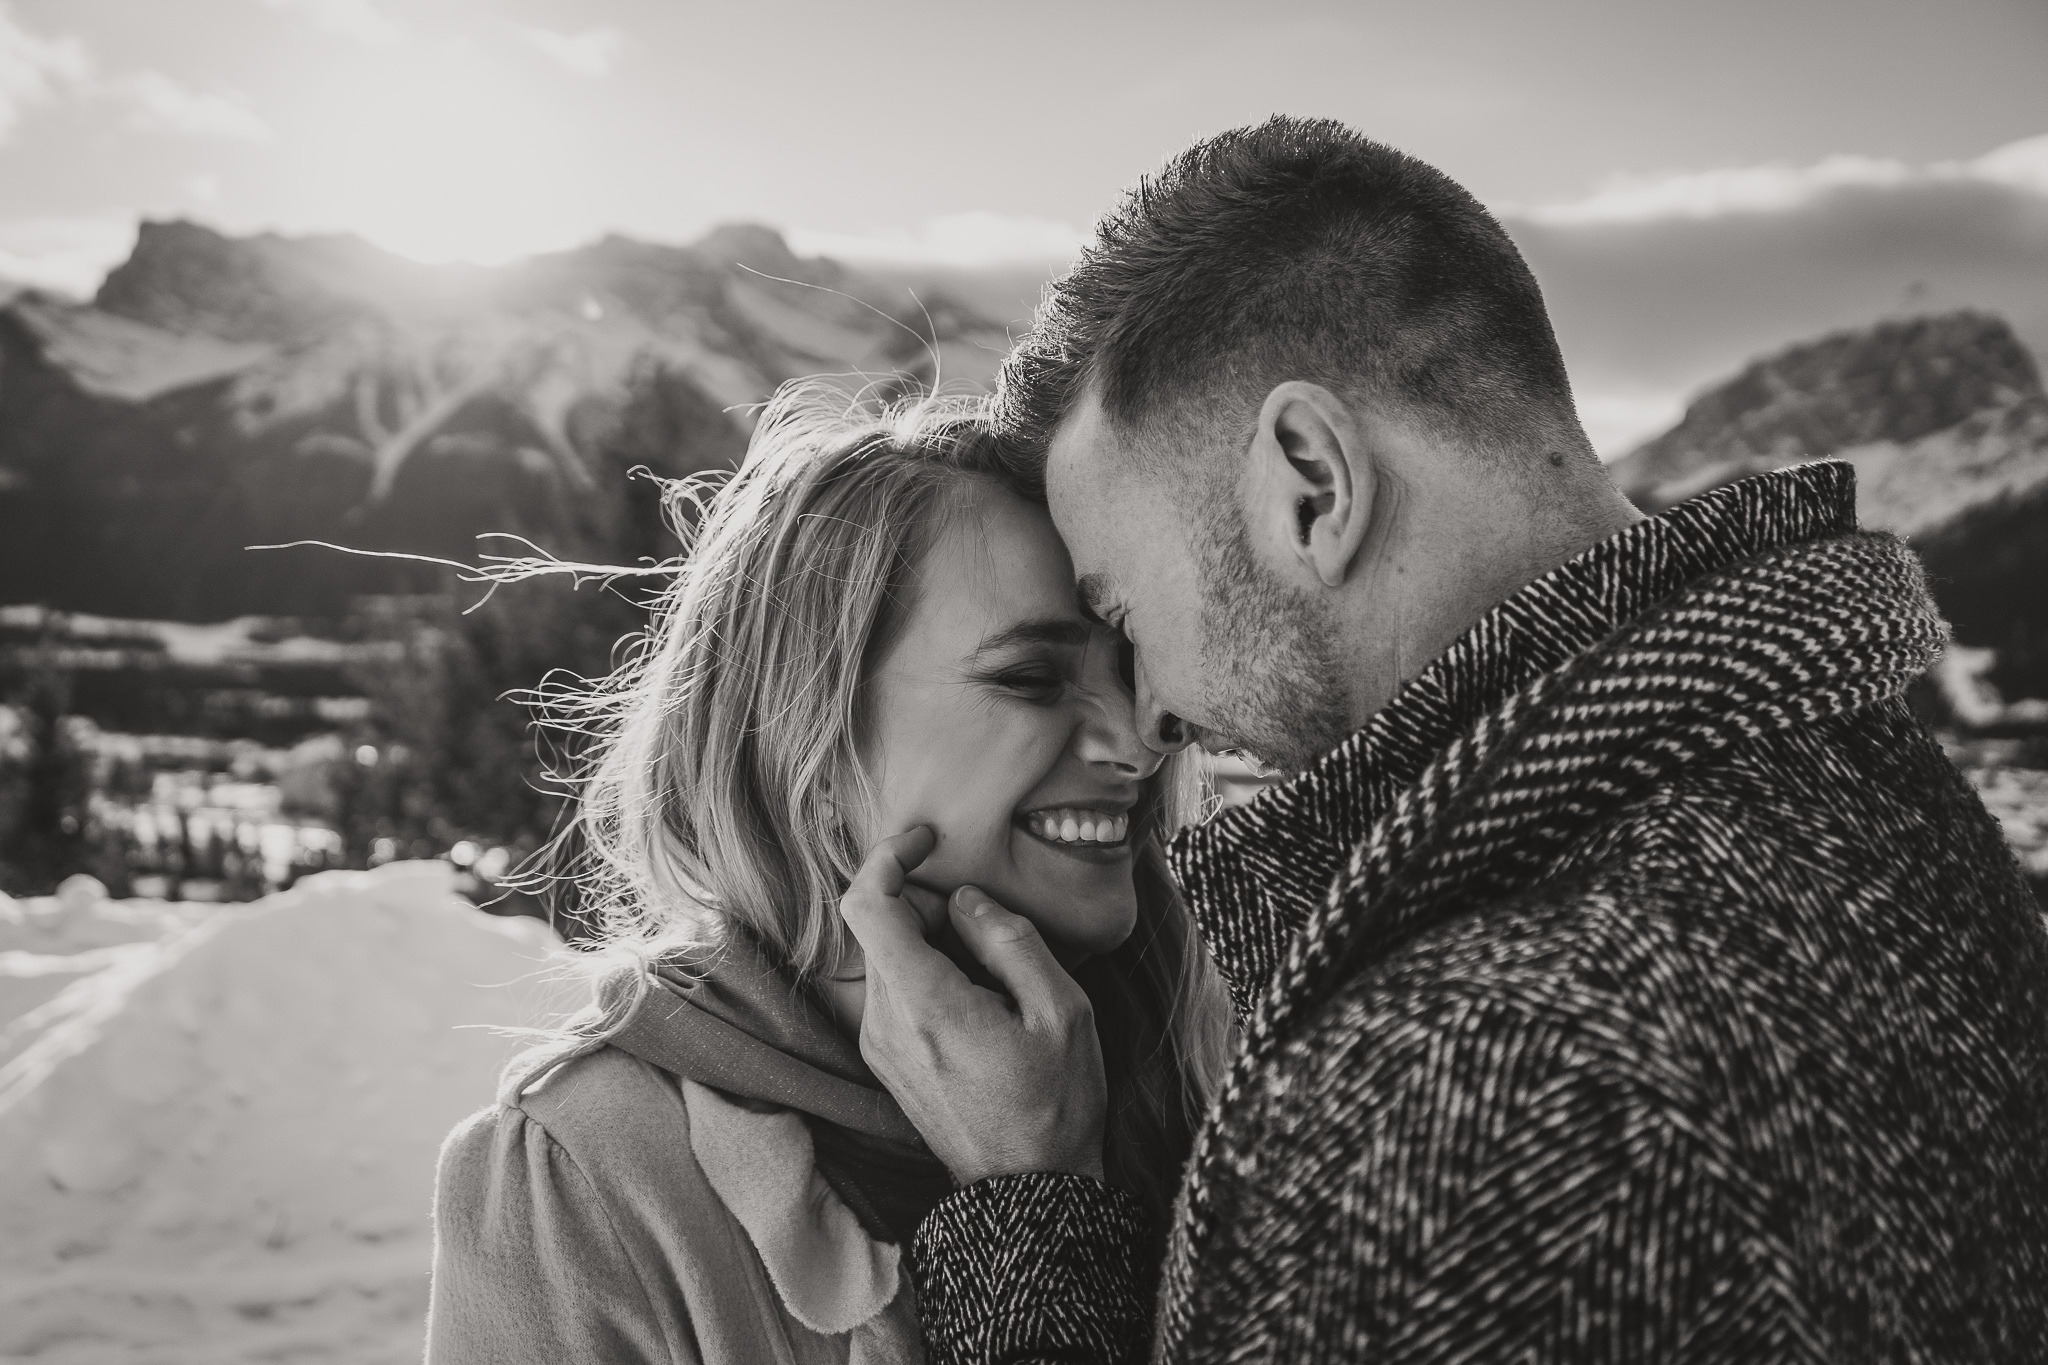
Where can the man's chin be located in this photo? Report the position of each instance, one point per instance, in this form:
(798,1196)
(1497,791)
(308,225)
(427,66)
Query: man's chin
(1284,742)
(1265,768)
(1265,762)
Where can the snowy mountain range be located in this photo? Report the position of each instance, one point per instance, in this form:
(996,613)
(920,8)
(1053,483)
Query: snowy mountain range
(220,392)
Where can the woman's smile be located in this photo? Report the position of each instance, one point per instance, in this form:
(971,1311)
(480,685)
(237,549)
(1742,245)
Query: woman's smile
(1091,832)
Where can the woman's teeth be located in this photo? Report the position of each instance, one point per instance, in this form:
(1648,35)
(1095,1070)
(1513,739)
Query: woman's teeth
(1079,826)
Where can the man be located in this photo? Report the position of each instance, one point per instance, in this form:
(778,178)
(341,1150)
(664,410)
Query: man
(1625,974)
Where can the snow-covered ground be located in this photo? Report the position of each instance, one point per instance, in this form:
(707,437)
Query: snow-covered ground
(218,1128)
(218,1124)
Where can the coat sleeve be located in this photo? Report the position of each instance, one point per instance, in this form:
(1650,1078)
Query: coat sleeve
(528,1269)
(1036,1269)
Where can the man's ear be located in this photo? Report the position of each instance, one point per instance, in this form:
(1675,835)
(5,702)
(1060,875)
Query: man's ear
(1312,480)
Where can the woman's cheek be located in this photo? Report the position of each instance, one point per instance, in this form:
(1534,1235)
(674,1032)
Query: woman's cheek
(970,794)
(967,853)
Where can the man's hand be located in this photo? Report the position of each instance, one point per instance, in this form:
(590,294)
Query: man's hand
(998,1085)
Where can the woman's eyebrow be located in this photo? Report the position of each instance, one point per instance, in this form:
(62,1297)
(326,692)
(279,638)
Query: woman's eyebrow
(1052,630)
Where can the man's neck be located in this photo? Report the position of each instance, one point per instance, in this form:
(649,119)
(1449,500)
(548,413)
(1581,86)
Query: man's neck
(1444,571)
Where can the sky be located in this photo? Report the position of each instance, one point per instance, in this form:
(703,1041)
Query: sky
(976,135)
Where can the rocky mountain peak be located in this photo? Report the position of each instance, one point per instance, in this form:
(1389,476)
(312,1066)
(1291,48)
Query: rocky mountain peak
(760,248)
(187,278)
(1896,381)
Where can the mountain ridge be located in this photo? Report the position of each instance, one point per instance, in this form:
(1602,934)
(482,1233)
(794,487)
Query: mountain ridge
(223,391)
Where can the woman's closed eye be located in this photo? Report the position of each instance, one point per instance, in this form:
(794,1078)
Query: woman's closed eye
(1036,660)
(1038,683)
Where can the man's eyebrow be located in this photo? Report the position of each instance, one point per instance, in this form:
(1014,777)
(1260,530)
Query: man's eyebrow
(1053,630)
(1090,590)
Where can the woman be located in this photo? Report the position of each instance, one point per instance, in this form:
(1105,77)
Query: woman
(873,632)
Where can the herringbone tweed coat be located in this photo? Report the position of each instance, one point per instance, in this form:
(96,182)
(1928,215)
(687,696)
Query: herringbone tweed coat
(1642,984)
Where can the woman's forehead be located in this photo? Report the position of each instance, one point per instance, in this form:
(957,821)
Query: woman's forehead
(997,561)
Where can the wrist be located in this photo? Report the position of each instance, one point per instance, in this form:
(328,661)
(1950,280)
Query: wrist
(1085,1164)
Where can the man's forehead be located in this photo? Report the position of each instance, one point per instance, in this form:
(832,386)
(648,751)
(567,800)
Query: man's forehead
(1080,490)
(1081,440)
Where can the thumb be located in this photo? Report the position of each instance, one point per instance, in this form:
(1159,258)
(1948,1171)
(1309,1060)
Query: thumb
(1014,952)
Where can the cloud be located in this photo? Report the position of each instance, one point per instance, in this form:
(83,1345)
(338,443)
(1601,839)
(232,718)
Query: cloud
(1673,286)
(1780,186)
(977,238)
(1617,421)
(2022,164)
(69,255)
(592,53)
(360,20)
(35,69)
(157,103)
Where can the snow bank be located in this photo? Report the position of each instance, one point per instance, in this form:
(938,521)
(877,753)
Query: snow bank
(47,942)
(218,1145)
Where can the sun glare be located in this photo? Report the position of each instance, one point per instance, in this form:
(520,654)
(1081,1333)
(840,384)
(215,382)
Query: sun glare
(454,159)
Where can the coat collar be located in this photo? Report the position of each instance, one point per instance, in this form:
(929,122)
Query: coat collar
(1254,874)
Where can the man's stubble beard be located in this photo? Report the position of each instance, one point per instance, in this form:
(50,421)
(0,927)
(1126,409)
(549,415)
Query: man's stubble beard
(1276,688)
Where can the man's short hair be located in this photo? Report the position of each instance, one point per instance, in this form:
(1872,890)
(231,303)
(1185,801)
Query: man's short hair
(1296,249)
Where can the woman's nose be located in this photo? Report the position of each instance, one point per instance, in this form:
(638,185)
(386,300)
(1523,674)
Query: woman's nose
(1109,735)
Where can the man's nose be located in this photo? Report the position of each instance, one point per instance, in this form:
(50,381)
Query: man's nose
(1162,731)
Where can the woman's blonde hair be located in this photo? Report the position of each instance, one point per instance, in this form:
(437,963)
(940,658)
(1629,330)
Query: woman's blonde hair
(725,771)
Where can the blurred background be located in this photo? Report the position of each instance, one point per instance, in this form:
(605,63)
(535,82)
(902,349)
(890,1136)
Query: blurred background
(399,274)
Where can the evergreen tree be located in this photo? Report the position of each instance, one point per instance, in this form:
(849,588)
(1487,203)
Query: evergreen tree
(450,751)
(46,837)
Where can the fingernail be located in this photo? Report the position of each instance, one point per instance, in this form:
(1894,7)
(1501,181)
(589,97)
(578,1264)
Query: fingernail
(973,901)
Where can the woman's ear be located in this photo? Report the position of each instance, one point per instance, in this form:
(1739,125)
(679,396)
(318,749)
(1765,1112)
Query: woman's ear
(1312,482)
